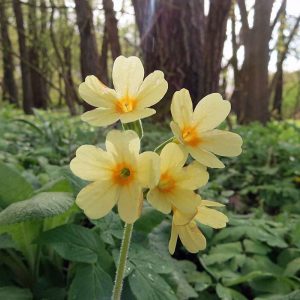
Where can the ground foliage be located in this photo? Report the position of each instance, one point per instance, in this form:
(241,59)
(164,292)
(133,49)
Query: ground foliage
(49,250)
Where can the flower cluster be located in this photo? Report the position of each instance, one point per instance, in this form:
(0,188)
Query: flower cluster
(121,174)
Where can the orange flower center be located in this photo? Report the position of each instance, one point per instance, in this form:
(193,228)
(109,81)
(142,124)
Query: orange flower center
(166,183)
(190,136)
(126,104)
(123,174)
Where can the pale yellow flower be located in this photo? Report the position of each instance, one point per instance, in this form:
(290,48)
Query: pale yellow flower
(117,174)
(131,98)
(195,129)
(177,183)
(185,226)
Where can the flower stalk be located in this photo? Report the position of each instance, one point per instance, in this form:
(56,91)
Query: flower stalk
(122,262)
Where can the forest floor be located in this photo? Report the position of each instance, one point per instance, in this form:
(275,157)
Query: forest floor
(256,256)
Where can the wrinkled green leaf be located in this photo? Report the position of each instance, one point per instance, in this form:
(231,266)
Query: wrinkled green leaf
(38,207)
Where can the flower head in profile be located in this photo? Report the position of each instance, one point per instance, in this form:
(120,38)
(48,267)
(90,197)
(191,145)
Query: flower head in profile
(185,226)
(176,184)
(117,175)
(195,130)
(131,97)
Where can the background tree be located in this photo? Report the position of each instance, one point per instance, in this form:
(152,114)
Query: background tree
(9,85)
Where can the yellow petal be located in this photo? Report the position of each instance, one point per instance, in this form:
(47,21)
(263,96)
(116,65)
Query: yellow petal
(159,201)
(193,176)
(222,142)
(182,108)
(91,163)
(148,169)
(180,218)
(172,156)
(191,237)
(136,114)
(127,75)
(100,117)
(95,93)
(211,203)
(211,111)
(130,202)
(173,239)
(97,199)
(176,131)
(124,145)
(211,217)
(152,89)
(184,200)
(205,158)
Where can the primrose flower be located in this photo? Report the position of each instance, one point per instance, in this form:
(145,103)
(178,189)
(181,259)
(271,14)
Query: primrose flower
(118,176)
(195,129)
(186,228)
(176,184)
(131,98)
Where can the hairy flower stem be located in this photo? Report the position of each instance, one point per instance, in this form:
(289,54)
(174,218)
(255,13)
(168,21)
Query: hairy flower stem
(122,262)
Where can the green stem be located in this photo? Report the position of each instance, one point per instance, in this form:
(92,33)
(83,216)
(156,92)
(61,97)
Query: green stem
(122,262)
(159,148)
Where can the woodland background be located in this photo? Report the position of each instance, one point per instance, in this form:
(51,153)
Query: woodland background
(246,50)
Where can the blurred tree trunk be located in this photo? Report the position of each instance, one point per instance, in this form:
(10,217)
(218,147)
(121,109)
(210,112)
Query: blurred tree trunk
(251,98)
(38,84)
(64,59)
(215,34)
(277,102)
(9,84)
(111,28)
(177,38)
(89,56)
(25,69)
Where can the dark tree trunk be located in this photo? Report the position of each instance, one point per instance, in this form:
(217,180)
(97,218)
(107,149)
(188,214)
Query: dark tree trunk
(111,26)
(64,63)
(172,35)
(25,70)
(215,34)
(89,57)
(277,102)
(9,84)
(252,86)
(38,85)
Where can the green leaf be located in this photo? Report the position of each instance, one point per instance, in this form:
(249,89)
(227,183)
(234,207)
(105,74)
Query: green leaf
(295,295)
(13,187)
(110,226)
(228,294)
(90,282)
(244,278)
(38,207)
(15,293)
(149,219)
(6,241)
(77,243)
(23,235)
(255,247)
(293,267)
(148,285)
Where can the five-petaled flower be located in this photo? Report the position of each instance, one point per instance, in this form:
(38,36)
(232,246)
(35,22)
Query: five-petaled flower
(195,129)
(185,225)
(131,98)
(177,183)
(118,176)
